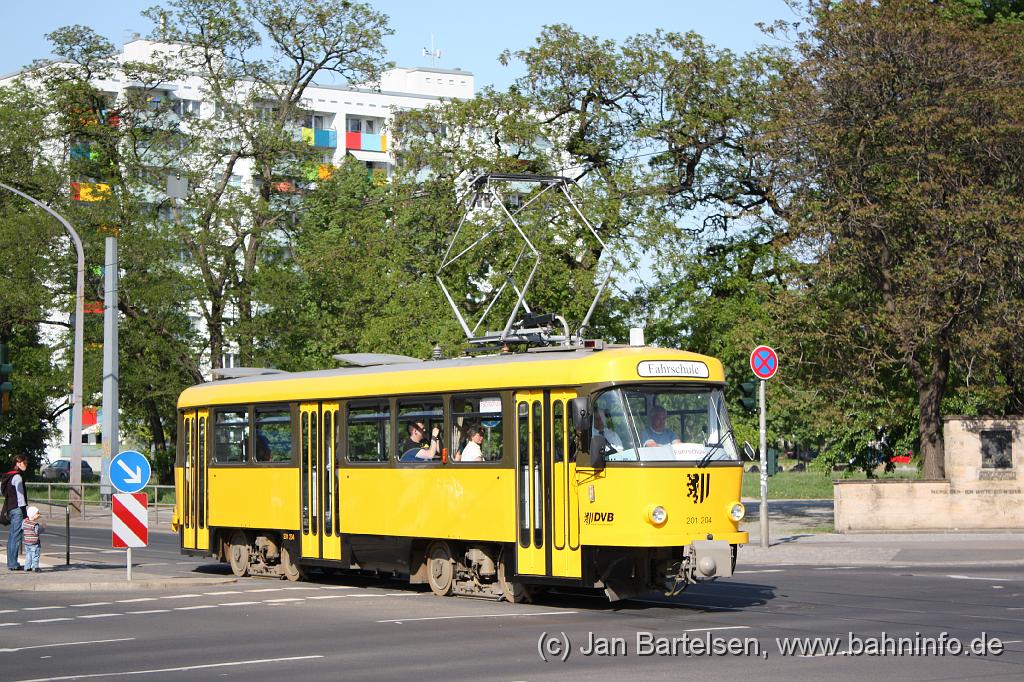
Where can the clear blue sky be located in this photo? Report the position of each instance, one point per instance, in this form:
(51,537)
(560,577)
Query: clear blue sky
(470,34)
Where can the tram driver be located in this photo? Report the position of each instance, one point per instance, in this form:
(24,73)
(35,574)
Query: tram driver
(656,433)
(416,448)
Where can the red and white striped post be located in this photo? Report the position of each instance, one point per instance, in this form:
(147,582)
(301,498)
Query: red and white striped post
(129,522)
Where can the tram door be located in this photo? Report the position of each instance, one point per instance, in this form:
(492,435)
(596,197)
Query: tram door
(319,481)
(547,518)
(195,532)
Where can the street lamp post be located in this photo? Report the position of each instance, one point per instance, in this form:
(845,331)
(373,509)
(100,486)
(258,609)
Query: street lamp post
(75,475)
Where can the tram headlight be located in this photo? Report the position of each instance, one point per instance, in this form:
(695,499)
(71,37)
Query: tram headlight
(657,515)
(737,511)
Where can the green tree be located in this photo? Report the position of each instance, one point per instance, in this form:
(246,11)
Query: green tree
(908,214)
(214,252)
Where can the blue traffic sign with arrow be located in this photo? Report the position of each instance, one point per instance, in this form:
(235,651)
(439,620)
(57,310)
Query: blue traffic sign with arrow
(129,471)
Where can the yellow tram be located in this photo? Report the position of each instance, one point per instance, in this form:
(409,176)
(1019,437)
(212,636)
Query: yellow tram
(607,467)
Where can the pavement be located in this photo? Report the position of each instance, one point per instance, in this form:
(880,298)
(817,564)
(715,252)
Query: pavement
(798,536)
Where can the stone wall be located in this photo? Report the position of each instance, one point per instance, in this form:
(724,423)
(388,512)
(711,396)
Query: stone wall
(973,497)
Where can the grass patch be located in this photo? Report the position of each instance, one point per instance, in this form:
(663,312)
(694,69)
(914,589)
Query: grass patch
(809,485)
(800,485)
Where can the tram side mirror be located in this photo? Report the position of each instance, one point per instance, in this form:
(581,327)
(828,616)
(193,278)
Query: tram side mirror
(748,451)
(590,449)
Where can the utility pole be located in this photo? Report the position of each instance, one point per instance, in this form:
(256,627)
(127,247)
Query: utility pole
(111,373)
(75,477)
(764,363)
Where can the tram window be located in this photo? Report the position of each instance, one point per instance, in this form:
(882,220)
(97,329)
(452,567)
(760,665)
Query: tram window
(417,419)
(476,428)
(273,441)
(369,432)
(523,470)
(231,436)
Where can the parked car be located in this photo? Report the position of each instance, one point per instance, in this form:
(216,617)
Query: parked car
(61,471)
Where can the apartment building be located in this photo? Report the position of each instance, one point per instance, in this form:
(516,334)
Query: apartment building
(344,120)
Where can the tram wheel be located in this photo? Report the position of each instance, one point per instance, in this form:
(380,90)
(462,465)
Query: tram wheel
(514,592)
(289,568)
(440,568)
(238,554)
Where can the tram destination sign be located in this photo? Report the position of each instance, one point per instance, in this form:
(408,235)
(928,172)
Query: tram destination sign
(672,368)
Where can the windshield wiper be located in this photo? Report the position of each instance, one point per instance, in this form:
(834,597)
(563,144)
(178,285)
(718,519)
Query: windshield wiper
(706,459)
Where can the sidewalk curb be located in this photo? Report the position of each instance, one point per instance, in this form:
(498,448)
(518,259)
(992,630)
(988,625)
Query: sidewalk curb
(861,563)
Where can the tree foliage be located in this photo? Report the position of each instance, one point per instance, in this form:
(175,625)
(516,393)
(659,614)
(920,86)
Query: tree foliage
(909,215)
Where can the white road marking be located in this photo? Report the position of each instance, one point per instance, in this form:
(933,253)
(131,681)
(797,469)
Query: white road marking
(277,601)
(240,603)
(1013,641)
(193,608)
(836,568)
(102,615)
(484,615)
(3,625)
(132,601)
(267,589)
(94,603)
(181,596)
(972,577)
(42,608)
(396,594)
(327,596)
(46,620)
(123,673)
(8,611)
(338,587)
(140,613)
(217,594)
(158,563)
(45,646)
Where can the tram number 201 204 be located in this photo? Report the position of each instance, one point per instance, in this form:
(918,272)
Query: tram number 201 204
(692,520)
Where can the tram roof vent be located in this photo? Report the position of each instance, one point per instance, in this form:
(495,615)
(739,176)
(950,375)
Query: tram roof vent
(242,372)
(373,359)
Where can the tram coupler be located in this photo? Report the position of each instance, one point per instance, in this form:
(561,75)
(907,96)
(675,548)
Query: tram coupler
(703,561)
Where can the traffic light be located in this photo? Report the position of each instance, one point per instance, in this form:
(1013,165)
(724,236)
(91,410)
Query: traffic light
(748,389)
(5,385)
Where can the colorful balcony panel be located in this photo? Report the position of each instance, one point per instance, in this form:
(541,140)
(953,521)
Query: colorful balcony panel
(90,191)
(284,186)
(326,138)
(84,152)
(320,138)
(366,142)
(318,171)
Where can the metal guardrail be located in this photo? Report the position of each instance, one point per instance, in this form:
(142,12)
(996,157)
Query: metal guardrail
(161,497)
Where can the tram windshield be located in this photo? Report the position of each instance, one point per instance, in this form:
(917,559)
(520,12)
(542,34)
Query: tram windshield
(652,424)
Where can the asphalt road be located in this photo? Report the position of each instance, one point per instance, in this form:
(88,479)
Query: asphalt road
(358,628)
